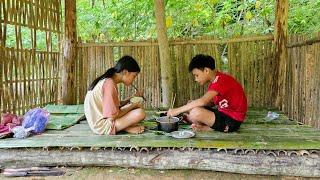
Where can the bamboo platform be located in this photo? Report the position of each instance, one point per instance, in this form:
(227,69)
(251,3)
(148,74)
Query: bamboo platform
(278,147)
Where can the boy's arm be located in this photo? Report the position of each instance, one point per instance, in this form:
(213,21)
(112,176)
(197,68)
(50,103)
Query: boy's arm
(203,101)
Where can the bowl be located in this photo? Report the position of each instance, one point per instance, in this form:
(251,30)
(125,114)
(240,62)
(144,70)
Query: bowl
(136,99)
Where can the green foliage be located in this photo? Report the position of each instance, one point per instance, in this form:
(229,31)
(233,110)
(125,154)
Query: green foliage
(304,16)
(134,20)
(118,20)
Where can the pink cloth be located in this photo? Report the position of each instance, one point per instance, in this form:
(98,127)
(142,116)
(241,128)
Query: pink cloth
(110,101)
(8,122)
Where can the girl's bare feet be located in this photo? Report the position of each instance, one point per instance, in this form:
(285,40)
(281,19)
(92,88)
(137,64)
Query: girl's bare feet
(135,129)
(198,127)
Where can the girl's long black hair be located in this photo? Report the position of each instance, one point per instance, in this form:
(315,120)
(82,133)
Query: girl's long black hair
(125,63)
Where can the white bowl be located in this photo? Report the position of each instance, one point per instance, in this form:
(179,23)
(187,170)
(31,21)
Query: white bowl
(136,99)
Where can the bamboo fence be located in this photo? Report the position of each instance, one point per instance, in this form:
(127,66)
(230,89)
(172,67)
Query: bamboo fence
(252,64)
(302,93)
(248,59)
(29,77)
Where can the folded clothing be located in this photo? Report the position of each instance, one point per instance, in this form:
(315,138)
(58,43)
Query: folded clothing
(9,121)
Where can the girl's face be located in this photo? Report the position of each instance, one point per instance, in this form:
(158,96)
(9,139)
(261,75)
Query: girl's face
(128,77)
(201,76)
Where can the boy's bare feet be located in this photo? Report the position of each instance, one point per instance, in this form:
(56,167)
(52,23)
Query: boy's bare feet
(198,127)
(134,129)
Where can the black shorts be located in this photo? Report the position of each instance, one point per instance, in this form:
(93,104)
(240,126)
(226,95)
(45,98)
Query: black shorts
(222,121)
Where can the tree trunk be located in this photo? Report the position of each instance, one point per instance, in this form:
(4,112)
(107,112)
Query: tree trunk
(281,54)
(69,54)
(165,64)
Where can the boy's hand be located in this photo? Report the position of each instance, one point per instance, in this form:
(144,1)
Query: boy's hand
(172,112)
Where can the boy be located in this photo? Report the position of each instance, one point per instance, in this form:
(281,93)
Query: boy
(224,91)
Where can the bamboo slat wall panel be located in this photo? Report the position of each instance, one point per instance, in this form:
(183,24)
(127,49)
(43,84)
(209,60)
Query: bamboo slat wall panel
(185,86)
(29,77)
(95,60)
(302,98)
(251,63)
(256,54)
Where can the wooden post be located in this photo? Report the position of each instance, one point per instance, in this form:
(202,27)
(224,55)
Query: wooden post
(69,54)
(165,64)
(3,36)
(281,54)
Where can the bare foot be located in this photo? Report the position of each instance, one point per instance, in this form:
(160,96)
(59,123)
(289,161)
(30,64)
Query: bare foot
(134,129)
(198,127)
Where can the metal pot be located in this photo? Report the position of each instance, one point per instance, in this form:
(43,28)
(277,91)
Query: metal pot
(166,124)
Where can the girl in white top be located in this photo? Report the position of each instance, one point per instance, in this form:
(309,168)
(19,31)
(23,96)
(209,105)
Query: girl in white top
(102,104)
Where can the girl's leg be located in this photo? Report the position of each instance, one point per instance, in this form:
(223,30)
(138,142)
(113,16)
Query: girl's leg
(128,122)
(201,118)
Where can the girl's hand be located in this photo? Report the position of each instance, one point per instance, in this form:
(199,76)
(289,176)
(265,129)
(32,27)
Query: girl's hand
(136,105)
(139,93)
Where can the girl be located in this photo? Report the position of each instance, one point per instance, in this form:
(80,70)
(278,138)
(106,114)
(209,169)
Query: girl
(104,112)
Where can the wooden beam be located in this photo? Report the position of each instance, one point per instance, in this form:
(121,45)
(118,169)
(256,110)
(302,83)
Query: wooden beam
(281,54)
(179,42)
(246,162)
(165,64)
(304,43)
(69,54)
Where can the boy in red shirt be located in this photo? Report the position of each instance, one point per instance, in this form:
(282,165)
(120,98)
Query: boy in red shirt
(223,91)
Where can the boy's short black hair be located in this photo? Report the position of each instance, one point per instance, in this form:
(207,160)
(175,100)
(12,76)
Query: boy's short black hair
(202,61)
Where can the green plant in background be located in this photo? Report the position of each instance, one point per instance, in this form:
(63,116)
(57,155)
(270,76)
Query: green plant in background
(117,20)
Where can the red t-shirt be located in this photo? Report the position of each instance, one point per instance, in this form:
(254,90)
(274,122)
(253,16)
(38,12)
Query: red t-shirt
(231,99)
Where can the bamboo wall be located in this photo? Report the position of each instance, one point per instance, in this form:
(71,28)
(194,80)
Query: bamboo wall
(29,75)
(302,94)
(95,59)
(249,60)
(252,64)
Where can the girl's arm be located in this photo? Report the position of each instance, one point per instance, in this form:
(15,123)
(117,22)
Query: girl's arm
(127,100)
(125,109)
(203,101)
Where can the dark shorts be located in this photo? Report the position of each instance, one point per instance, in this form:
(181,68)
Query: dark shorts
(222,121)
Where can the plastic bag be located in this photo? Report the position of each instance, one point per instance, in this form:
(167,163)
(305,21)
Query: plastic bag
(272,116)
(35,120)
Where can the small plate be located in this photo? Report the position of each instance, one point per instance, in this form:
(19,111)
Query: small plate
(182,134)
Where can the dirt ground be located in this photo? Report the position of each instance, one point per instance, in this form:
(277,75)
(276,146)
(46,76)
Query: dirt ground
(115,173)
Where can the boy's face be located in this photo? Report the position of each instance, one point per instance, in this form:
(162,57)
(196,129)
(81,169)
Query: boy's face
(201,76)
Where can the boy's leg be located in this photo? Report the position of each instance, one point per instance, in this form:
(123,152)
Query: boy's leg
(201,118)
(129,121)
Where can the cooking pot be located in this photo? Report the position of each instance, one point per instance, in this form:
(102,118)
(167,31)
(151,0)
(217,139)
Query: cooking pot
(168,125)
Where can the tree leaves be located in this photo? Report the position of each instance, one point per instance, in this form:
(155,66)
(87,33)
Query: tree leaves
(134,20)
